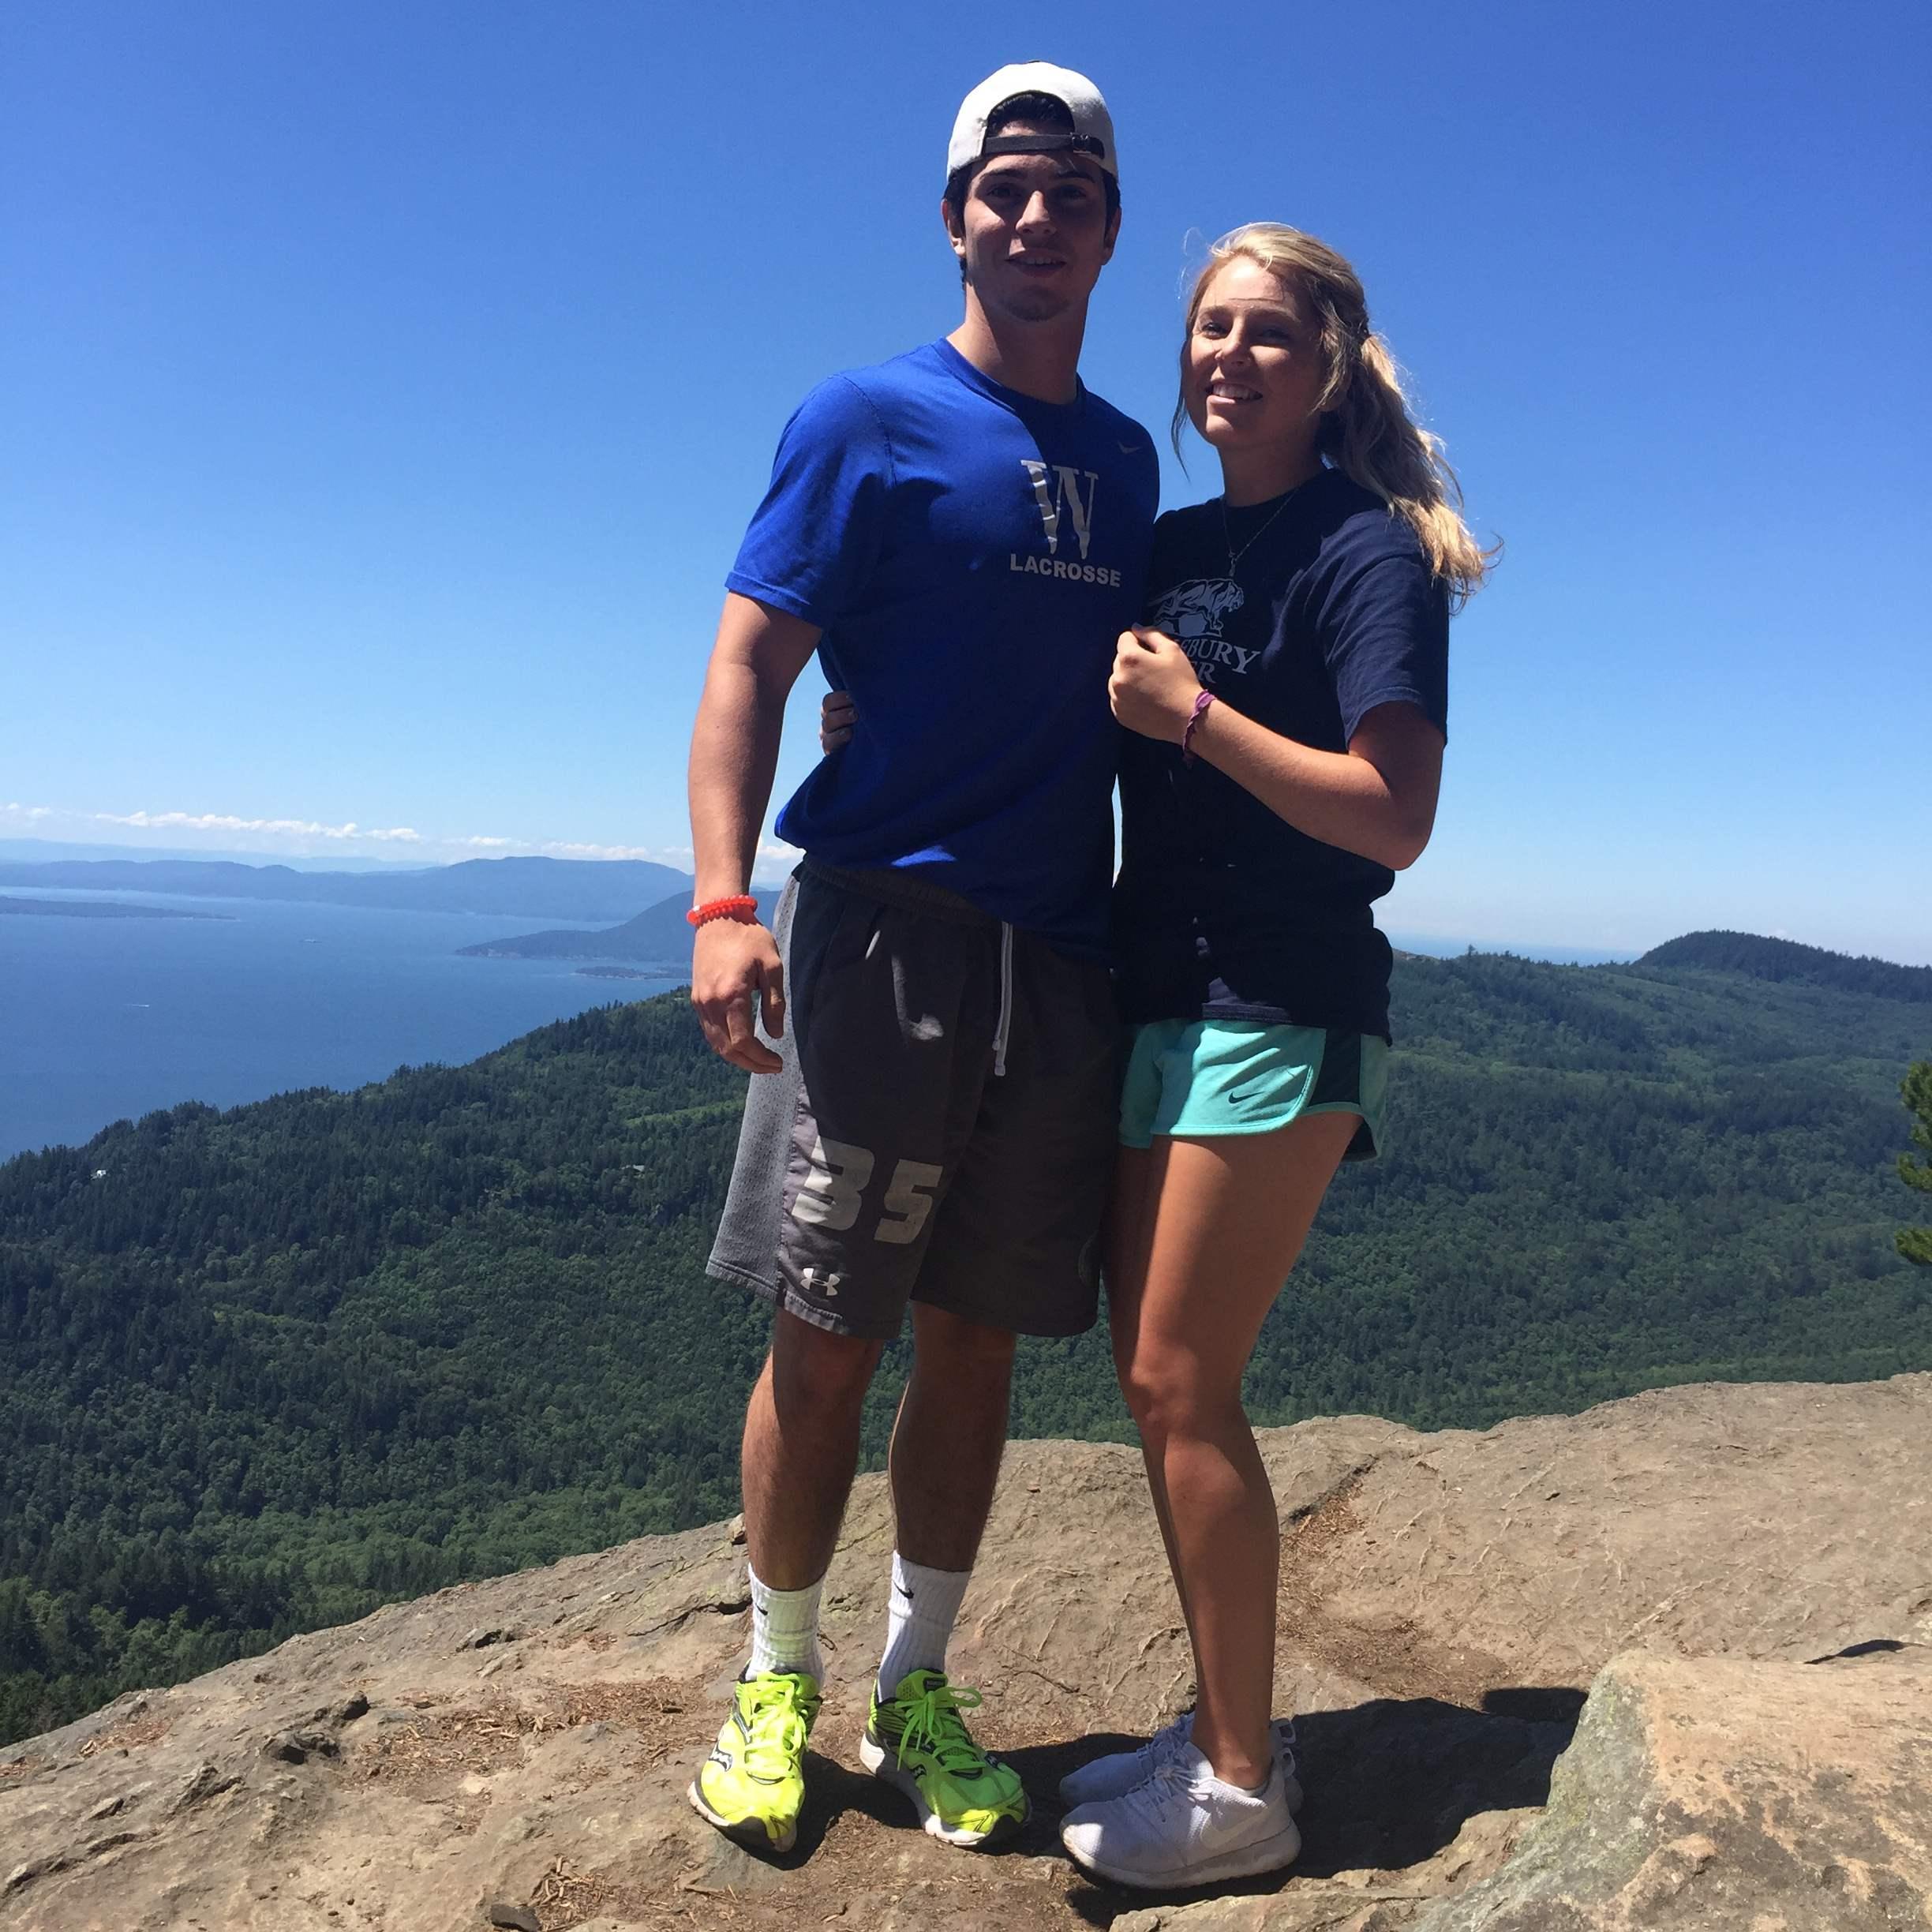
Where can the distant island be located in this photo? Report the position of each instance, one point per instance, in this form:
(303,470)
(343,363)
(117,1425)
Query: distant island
(611,973)
(658,937)
(100,909)
(567,888)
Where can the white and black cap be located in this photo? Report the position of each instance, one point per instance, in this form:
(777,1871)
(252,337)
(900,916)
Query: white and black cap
(1092,133)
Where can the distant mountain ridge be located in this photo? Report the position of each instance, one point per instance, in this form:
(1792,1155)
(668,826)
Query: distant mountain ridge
(54,851)
(658,936)
(1784,961)
(525,888)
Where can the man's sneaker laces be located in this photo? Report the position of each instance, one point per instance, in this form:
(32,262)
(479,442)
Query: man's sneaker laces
(918,1742)
(752,1787)
(934,1717)
(771,1750)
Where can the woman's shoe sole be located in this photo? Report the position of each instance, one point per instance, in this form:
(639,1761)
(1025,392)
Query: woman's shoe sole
(1270,1854)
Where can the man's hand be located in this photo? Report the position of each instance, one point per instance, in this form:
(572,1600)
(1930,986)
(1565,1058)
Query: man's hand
(736,970)
(1154,686)
(735,964)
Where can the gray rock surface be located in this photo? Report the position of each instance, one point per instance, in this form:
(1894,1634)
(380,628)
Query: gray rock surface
(1708,1793)
(1448,1601)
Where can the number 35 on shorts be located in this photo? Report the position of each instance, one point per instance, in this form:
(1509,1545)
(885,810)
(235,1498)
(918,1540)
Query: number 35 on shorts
(833,1191)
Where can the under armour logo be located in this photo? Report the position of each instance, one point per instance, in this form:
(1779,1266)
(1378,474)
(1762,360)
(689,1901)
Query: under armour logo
(1063,494)
(813,1285)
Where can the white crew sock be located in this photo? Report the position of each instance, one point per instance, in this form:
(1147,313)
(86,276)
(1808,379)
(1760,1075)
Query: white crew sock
(785,1630)
(924,1605)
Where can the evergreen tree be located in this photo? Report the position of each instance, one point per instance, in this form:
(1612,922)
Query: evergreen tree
(1916,1243)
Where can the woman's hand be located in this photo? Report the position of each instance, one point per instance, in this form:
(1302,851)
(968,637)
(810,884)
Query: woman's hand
(1154,686)
(836,716)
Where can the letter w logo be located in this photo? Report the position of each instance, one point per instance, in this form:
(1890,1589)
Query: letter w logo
(1063,493)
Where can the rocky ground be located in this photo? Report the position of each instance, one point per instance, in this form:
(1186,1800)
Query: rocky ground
(1665,1664)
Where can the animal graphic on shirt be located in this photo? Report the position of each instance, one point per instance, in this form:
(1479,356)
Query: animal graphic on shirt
(1194,612)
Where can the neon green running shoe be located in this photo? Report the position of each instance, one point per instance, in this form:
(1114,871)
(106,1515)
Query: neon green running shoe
(917,1740)
(753,1784)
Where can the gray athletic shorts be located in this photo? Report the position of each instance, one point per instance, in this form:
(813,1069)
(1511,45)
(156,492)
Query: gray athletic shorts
(893,1160)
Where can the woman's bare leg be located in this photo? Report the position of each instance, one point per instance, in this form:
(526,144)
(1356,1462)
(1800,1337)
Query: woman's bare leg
(1129,1235)
(1222,1228)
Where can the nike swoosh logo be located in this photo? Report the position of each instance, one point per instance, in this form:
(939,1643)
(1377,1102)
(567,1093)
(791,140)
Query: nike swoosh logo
(1239,1099)
(1128,449)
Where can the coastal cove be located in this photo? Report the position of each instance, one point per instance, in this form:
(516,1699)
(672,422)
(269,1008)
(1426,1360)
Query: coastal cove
(104,1017)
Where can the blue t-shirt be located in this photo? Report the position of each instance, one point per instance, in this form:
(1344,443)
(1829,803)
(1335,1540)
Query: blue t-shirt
(971,556)
(1224,911)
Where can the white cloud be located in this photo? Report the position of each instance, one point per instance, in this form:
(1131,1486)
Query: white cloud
(227,822)
(304,837)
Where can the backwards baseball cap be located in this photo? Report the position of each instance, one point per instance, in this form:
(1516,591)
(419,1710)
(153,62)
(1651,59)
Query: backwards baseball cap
(1092,133)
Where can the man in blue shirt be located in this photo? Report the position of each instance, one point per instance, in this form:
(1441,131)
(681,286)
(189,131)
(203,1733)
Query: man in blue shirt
(960,534)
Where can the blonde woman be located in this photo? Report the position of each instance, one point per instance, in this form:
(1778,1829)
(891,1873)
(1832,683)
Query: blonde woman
(1285,708)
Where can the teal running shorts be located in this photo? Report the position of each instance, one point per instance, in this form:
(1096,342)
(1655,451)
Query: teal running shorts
(1193,1078)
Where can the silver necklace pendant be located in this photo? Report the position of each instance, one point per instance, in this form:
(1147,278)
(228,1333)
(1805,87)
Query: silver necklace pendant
(1234,556)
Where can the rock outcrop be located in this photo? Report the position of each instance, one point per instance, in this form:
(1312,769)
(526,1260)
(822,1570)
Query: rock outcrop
(1708,1793)
(1665,1664)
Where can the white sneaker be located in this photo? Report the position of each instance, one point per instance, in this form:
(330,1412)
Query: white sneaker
(1117,1774)
(1182,1826)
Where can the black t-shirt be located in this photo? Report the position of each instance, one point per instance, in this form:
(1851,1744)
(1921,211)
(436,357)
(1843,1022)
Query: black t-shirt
(1223,911)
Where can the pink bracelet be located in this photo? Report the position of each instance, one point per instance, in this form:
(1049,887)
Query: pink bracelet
(1202,701)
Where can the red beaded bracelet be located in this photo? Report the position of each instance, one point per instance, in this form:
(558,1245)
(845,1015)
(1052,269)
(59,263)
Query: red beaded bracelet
(739,903)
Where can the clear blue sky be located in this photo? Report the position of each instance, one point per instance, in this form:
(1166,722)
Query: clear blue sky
(383,390)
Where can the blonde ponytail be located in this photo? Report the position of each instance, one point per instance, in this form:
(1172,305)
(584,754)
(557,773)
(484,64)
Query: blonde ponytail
(1367,432)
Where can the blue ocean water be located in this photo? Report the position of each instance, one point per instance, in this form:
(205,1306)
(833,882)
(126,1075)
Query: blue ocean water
(105,1019)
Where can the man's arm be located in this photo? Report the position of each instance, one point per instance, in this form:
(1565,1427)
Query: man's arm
(758,655)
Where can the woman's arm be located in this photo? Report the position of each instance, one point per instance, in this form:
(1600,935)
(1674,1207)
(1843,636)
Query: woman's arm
(1377,799)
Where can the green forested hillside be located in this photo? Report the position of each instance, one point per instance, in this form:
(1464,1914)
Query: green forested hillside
(1782,960)
(263,1369)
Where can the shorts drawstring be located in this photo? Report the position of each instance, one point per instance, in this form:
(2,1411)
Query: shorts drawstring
(1005,1028)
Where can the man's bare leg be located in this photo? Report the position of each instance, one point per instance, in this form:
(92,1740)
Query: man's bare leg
(801,1447)
(946,1447)
(950,1437)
